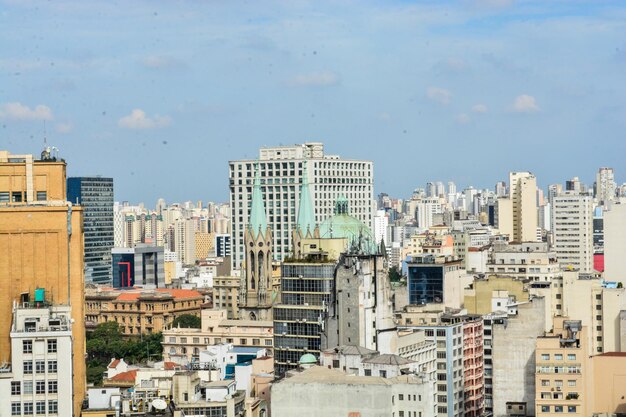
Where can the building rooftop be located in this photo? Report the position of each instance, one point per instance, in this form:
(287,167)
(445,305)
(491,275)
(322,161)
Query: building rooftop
(320,374)
(134,294)
(351,350)
(388,359)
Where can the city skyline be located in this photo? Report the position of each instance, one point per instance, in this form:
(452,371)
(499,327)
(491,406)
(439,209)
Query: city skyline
(497,85)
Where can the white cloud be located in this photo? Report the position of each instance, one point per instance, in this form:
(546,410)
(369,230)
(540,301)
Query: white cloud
(315,79)
(64,127)
(161,62)
(463,118)
(525,104)
(440,95)
(19,111)
(480,108)
(137,119)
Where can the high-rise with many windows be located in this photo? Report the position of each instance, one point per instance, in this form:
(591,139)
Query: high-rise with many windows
(280,170)
(95,195)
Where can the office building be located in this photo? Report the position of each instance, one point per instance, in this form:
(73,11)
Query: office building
(39,379)
(140,266)
(572,225)
(222,245)
(281,169)
(95,195)
(42,245)
(605,186)
(435,279)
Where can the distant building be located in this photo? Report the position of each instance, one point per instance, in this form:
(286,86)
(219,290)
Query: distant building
(223,247)
(140,266)
(572,226)
(95,195)
(281,169)
(435,279)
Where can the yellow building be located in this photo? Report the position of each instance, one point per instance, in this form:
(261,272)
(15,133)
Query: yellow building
(226,295)
(37,249)
(205,243)
(491,294)
(140,311)
(609,383)
(562,370)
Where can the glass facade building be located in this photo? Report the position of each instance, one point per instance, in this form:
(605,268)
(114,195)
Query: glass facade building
(306,289)
(95,195)
(425,283)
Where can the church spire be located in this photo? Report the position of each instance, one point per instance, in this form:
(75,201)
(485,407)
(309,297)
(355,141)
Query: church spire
(258,217)
(306,219)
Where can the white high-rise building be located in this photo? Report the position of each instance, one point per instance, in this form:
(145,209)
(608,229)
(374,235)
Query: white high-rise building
(605,186)
(381,221)
(39,379)
(426,208)
(280,170)
(615,243)
(572,225)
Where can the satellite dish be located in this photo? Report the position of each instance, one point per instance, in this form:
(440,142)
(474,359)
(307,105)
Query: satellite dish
(159,404)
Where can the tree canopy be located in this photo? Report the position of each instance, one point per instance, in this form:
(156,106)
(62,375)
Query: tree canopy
(188,321)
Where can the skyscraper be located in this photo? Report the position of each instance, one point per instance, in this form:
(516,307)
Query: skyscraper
(605,186)
(95,195)
(280,172)
(523,195)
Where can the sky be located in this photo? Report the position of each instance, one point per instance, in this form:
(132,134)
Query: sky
(160,95)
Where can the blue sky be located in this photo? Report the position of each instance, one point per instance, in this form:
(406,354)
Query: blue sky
(160,95)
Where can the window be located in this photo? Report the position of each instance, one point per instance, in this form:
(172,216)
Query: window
(183,340)
(40,387)
(28,409)
(401,397)
(256,342)
(53,387)
(268,342)
(16,197)
(172,340)
(545,408)
(53,407)
(571,356)
(42,196)
(571,383)
(52,346)
(15,388)
(335,363)
(16,409)
(52,367)
(28,387)
(40,367)
(28,367)
(545,383)
(40,407)
(545,356)
(571,408)
(368,372)
(243,341)
(383,374)
(558,408)
(558,357)
(27,346)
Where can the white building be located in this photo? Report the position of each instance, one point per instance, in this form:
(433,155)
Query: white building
(615,243)
(572,220)
(381,221)
(605,186)
(523,195)
(281,170)
(39,378)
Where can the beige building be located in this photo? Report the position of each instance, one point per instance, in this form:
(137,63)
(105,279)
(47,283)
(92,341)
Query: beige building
(184,345)
(608,371)
(226,295)
(523,195)
(38,251)
(205,244)
(562,370)
(140,311)
(615,243)
(494,293)
(322,392)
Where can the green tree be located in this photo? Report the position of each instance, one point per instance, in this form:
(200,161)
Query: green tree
(188,321)
(395,275)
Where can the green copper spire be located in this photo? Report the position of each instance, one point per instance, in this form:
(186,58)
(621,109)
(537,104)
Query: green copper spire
(306,219)
(258,218)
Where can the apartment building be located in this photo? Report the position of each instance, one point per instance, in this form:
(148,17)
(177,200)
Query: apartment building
(572,226)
